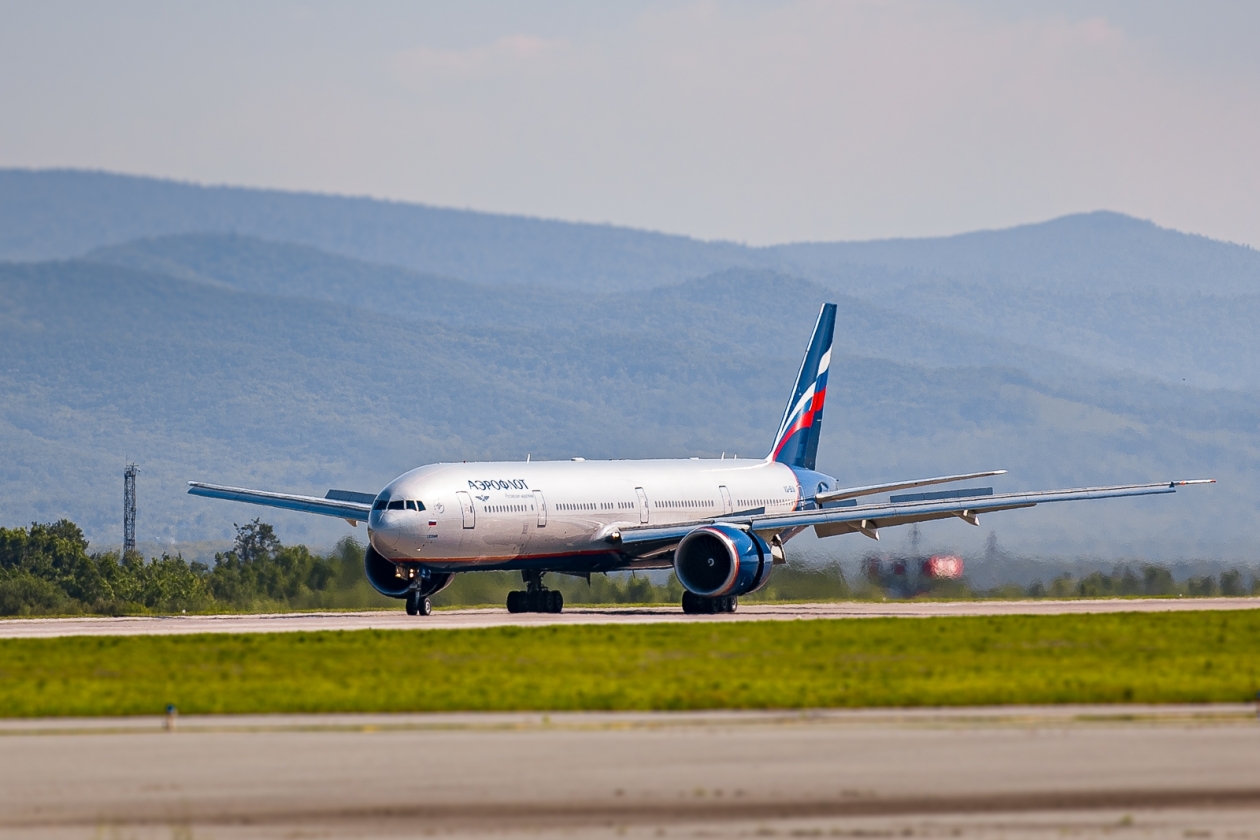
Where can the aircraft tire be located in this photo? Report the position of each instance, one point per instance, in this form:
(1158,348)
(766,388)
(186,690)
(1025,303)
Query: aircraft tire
(411,603)
(514,604)
(693,604)
(555,601)
(424,606)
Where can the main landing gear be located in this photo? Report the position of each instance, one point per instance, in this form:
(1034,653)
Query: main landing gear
(418,604)
(693,604)
(536,597)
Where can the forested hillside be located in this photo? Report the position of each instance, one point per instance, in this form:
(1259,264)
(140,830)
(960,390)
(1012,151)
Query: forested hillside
(307,342)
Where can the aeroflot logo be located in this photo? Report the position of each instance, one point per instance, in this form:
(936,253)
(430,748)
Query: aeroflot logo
(513,484)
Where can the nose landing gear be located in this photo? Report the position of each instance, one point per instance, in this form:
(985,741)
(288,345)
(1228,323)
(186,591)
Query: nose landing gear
(418,604)
(536,597)
(693,604)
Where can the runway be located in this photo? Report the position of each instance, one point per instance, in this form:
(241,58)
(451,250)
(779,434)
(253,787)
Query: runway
(397,619)
(1155,772)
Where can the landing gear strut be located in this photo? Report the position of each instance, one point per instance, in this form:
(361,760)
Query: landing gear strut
(418,604)
(536,597)
(693,604)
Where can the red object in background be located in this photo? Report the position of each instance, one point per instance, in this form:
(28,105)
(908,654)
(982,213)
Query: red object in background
(943,566)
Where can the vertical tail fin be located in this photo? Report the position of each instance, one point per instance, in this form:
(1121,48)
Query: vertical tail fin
(797,441)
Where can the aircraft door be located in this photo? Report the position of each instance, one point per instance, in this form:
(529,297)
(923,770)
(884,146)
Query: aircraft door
(541,504)
(643,505)
(727,507)
(466,508)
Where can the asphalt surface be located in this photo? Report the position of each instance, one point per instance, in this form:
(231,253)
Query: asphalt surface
(1175,772)
(451,619)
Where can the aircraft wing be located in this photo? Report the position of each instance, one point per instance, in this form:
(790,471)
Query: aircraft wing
(352,507)
(868,519)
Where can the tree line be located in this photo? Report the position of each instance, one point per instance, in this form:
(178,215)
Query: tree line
(47,569)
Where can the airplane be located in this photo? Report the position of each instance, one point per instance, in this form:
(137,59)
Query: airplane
(721,524)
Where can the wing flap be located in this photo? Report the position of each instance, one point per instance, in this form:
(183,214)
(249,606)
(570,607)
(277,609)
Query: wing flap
(348,510)
(832,529)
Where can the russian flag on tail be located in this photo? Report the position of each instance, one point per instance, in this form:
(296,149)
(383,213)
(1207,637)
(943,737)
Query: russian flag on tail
(797,441)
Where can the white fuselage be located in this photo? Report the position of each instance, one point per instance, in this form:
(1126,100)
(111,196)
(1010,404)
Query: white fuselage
(493,514)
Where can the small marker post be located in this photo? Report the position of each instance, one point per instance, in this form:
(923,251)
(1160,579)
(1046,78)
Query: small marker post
(171,714)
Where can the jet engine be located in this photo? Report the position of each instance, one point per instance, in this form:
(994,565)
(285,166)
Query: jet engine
(718,560)
(385,578)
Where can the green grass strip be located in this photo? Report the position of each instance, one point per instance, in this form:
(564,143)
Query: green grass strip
(1128,657)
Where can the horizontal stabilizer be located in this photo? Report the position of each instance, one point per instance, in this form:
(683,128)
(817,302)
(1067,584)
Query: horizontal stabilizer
(348,510)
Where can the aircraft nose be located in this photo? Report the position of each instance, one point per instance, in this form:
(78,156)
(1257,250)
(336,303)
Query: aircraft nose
(385,532)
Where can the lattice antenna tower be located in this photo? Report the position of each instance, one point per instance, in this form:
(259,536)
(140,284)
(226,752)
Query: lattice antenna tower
(129,509)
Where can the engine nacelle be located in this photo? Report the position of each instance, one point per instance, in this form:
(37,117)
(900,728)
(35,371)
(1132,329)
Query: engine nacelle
(384,576)
(717,560)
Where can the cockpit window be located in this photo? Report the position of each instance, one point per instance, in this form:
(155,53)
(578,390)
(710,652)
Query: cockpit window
(411,505)
(380,504)
(397,504)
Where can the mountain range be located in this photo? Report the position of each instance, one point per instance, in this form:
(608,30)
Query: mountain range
(301,342)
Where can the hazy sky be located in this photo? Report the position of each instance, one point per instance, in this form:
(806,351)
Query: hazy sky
(759,122)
